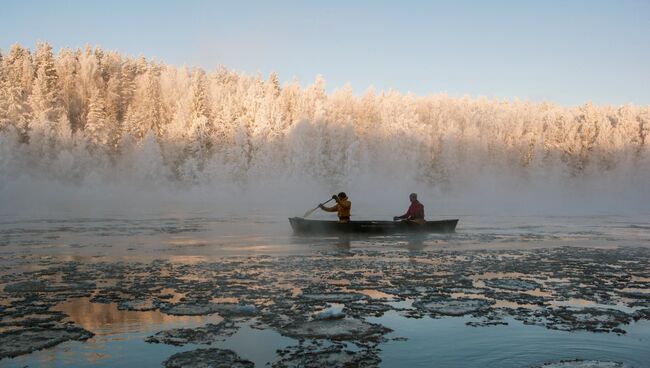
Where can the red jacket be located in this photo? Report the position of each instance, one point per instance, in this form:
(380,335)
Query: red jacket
(415,211)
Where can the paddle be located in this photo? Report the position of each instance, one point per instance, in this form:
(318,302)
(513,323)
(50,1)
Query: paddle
(314,209)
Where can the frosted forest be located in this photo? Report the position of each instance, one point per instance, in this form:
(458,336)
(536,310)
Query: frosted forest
(90,116)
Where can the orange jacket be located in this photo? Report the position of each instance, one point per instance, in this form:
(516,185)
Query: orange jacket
(342,208)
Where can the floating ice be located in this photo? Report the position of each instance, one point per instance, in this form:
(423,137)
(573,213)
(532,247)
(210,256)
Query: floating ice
(579,363)
(337,329)
(203,358)
(25,341)
(205,335)
(452,307)
(512,284)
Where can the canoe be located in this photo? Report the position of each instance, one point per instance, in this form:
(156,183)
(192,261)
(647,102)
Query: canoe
(303,226)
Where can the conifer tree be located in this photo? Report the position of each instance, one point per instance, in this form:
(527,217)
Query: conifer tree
(200,106)
(45,100)
(67,66)
(3,98)
(273,85)
(200,127)
(97,129)
(128,85)
(112,64)
(146,112)
(18,76)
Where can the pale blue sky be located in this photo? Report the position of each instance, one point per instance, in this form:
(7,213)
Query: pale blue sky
(562,51)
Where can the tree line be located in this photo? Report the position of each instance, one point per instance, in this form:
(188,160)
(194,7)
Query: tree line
(96,112)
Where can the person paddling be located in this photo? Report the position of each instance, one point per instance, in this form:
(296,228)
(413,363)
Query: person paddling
(342,207)
(415,213)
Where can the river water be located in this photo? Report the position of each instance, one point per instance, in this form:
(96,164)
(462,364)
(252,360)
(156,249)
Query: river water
(191,238)
(204,234)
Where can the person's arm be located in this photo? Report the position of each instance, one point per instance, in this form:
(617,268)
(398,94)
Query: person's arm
(329,209)
(405,216)
(333,208)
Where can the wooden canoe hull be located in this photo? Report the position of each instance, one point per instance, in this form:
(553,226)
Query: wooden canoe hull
(303,226)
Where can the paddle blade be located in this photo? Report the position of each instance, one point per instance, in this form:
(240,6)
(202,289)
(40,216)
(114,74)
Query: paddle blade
(309,212)
(314,209)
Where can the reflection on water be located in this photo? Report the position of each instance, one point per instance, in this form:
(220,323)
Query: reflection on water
(375,294)
(224,300)
(119,339)
(106,319)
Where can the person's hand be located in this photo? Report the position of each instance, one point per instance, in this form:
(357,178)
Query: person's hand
(334,197)
(320,205)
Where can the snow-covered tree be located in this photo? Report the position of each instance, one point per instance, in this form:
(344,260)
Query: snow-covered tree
(200,106)
(146,112)
(3,98)
(45,100)
(97,128)
(68,67)
(16,88)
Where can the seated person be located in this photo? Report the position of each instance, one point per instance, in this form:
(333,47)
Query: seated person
(415,213)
